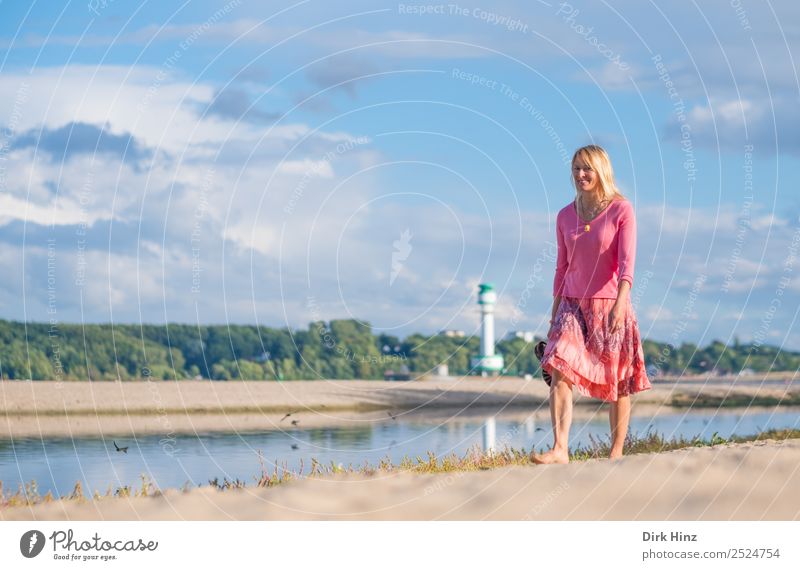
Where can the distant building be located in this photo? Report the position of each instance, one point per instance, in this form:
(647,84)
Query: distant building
(441,370)
(452,333)
(527,336)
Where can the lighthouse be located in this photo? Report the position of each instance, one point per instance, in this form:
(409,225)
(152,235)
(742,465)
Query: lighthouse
(487,362)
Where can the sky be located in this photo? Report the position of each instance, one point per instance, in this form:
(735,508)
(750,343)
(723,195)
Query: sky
(277,163)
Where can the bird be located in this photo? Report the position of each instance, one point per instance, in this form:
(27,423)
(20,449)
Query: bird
(295,422)
(391,415)
(295,446)
(286,416)
(122,449)
(539,429)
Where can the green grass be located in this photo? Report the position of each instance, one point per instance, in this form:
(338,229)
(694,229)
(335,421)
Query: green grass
(473,460)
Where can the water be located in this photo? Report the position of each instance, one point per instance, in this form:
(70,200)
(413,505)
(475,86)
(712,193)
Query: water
(57,463)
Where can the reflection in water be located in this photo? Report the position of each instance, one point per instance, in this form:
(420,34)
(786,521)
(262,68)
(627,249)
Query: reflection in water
(489,434)
(344,437)
(57,463)
(530,427)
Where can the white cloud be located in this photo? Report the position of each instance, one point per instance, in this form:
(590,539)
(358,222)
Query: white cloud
(655,312)
(159,110)
(65,212)
(307,167)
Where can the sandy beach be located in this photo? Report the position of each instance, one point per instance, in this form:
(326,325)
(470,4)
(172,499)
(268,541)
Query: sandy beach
(746,481)
(41,409)
(753,481)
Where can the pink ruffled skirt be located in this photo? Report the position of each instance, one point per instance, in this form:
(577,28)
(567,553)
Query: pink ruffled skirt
(598,363)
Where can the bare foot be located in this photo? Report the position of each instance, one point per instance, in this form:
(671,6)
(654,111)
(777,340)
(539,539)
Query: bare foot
(551,457)
(615,455)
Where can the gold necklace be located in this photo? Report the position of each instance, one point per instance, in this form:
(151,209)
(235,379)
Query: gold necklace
(595,212)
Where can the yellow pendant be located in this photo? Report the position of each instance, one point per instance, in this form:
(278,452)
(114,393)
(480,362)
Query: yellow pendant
(586,228)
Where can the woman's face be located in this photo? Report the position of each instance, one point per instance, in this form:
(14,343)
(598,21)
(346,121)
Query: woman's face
(584,175)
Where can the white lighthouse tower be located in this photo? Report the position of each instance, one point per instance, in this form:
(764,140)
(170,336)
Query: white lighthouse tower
(487,362)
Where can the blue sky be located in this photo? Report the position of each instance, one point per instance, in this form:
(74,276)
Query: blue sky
(278,162)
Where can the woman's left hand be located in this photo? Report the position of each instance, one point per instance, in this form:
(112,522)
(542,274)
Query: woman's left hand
(615,318)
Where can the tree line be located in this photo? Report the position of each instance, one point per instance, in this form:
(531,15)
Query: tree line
(339,349)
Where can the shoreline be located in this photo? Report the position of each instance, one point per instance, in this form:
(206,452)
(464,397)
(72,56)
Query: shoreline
(745,481)
(173,425)
(43,409)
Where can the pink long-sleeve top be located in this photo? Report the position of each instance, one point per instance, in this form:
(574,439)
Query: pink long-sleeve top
(592,263)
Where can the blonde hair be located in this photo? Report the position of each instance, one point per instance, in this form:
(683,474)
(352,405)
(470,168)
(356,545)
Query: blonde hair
(597,158)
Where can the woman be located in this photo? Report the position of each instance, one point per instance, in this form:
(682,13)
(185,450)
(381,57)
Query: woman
(593,343)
